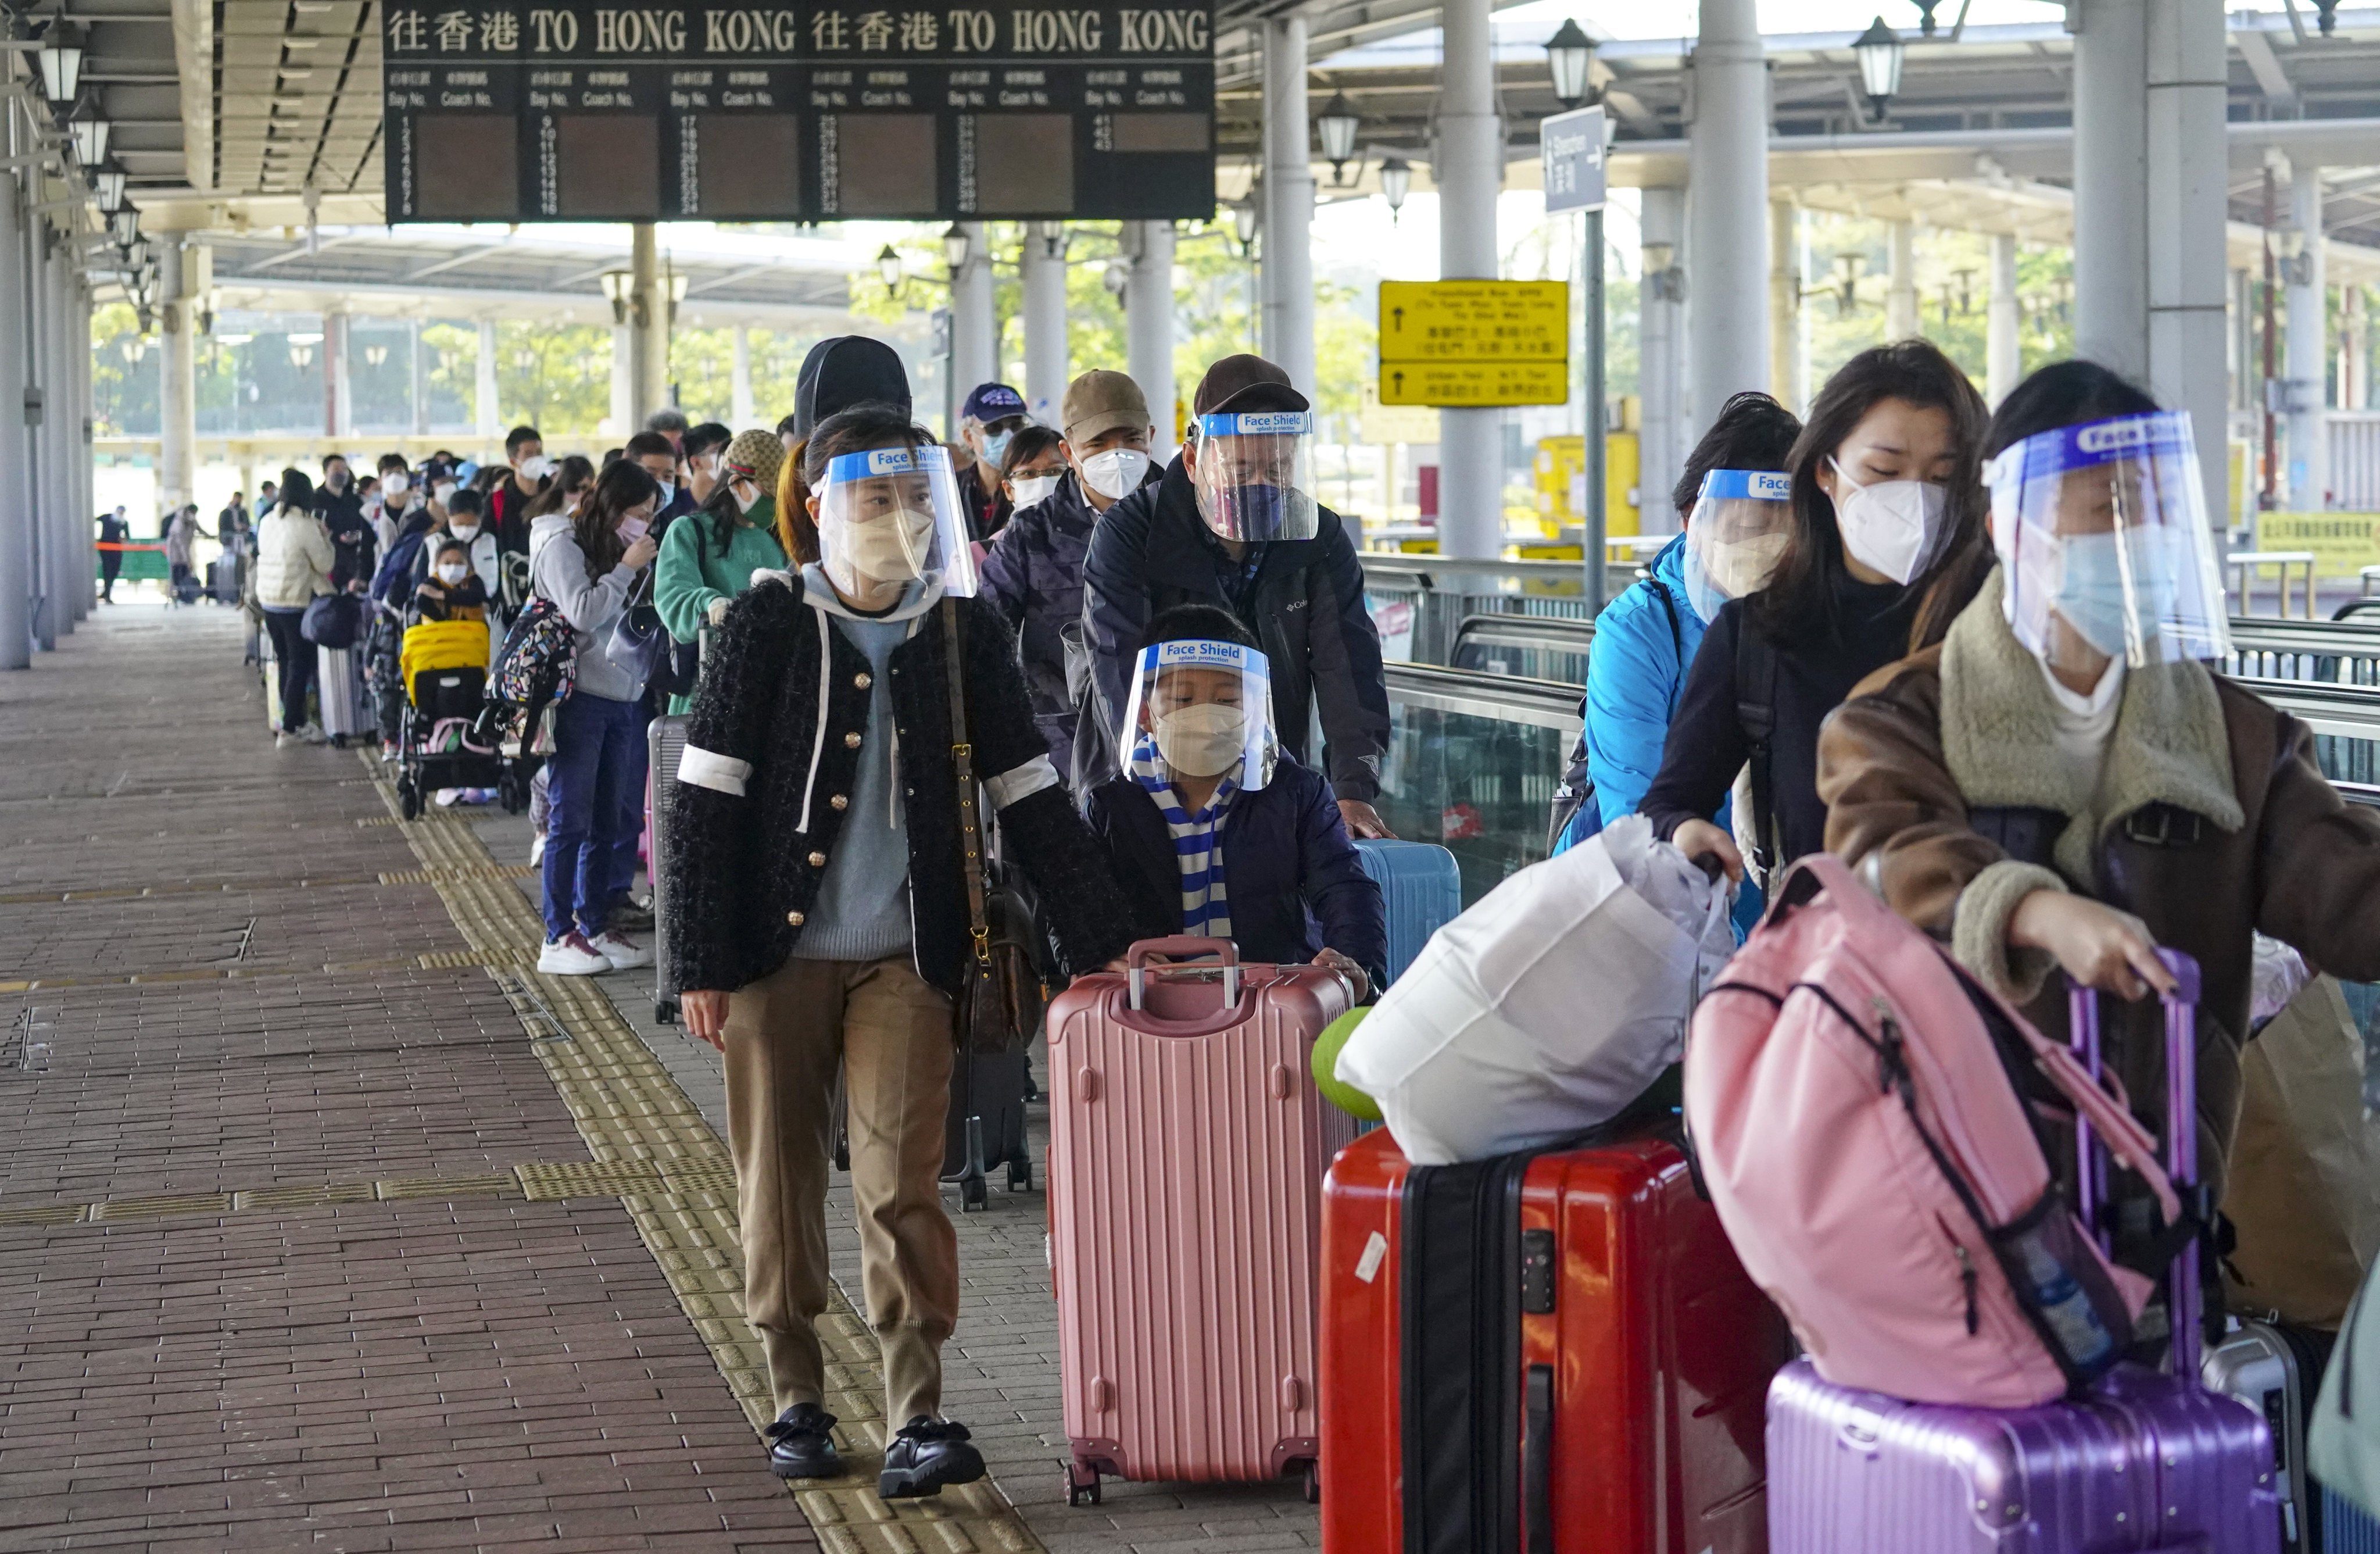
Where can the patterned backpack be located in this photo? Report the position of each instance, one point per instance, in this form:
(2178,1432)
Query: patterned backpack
(537,664)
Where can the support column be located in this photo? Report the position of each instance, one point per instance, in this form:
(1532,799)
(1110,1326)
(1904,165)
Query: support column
(1469,173)
(2354,369)
(1046,367)
(85,504)
(418,378)
(2111,170)
(2003,350)
(649,320)
(624,381)
(40,342)
(1784,301)
(1727,195)
(2188,211)
(739,380)
(73,549)
(975,323)
(2309,349)
(1900,320)
(486,410)
(16,541)
(338,401)
(1149,328)
(1288,278)
(1660,373)
(177,392)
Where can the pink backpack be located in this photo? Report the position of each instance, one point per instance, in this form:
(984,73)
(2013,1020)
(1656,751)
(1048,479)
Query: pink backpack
(1854,1100)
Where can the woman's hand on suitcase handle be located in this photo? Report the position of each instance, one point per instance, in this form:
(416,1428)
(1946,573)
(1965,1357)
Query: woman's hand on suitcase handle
(2095,945)
(1359,985)
(1363,821)
(706,1017)
(1710,847)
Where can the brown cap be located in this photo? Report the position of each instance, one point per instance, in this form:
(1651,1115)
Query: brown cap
(1246,382)
(756,457)
(1100,401)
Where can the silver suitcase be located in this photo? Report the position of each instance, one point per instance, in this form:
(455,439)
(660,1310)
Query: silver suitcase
(2276,1370)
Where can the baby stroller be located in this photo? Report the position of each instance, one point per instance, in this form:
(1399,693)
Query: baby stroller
(444,664)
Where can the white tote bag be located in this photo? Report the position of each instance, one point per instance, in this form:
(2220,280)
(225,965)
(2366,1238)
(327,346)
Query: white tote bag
(1547,1008)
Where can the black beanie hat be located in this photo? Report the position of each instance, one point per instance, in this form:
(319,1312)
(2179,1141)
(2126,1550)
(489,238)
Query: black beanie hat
(845,371)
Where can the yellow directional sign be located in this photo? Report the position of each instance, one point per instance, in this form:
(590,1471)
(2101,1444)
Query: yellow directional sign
(1474,385)
(1474,321)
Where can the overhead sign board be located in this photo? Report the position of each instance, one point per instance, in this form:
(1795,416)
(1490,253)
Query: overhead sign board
(499,110)
(1384,424)
(1573,145)
(1474,385)
(1475,321)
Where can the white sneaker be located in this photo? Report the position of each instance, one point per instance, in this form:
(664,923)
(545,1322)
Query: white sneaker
(284,739)
(625,954)
(312,734)
(537,850)
(571,955)
(446,796)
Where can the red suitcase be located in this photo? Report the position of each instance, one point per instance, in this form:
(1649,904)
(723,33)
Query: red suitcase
(1587,1357)
(1188,1141)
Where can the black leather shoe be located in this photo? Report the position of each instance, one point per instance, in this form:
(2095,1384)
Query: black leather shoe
(800,1444)
(927,1454)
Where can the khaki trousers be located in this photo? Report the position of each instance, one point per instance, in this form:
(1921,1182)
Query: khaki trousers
(890,1031)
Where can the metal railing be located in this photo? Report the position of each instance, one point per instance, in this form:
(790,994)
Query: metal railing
(1418,602)
(2345,652)
(1533,646)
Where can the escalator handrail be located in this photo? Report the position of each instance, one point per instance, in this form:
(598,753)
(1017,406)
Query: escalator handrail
(1542,633)
(2348,711)
(1506,698)
(2341,639)
(1414,570)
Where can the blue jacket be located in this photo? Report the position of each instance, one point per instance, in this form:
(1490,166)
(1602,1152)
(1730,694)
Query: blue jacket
(1642,646)
(1292,877)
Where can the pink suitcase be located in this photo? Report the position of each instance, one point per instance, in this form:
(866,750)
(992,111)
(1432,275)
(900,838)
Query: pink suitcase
(1187,1143)
(2143,1462)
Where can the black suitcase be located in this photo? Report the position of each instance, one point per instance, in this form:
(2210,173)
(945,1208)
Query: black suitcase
(666,742)
(986,1125)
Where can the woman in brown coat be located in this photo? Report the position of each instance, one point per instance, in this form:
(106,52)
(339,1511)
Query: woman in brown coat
(2063,783)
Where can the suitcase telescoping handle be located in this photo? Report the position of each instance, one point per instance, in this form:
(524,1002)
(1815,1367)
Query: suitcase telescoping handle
(2185,1297)
(1136,967)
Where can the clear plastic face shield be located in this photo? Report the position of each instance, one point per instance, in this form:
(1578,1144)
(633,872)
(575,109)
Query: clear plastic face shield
(1736,536)
(890,517)
(1254,479)
(2102,533)
(1207,708)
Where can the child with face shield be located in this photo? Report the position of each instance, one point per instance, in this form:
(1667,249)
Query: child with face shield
(1214,830)
(2064,784)
(823,910)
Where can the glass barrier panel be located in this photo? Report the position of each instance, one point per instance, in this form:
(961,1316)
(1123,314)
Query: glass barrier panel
(1479,786)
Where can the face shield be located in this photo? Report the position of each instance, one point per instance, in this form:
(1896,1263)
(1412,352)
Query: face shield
(891,516)
(2102,534)
(1254,482)
(1202,709)
(1736,536)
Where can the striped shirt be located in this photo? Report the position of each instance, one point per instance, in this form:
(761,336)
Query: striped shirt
(1206,913)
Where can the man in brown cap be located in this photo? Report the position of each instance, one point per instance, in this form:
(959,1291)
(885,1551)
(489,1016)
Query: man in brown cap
(1034,575)
(1234,523)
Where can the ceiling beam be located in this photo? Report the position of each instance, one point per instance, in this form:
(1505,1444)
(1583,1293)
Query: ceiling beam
(2265,66)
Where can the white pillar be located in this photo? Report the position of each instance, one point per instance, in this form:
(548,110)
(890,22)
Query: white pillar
(2309,348)
(2187,214)
(418,377)
(2111,223)
(1149,325)
(624,381)
(1288,278)
(739,380)
(17,540)
(1784,301)
(1660,375)
(1046,368)
(2003,353)
(73,549)
(85,504)
(40,344)
(485,406)
(975,323)
(650,329)
(2353,361)
(177,397)
(1900,320)
(1469,173)
(338,403)
(1727,196)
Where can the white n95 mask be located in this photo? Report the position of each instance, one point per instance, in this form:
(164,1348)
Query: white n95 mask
(1201,741)
(1895,526)
(1117,473)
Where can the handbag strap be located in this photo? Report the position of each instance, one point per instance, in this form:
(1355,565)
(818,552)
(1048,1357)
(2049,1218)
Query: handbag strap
(963,758)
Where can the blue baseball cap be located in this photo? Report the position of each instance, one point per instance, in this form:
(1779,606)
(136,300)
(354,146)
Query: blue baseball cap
(990,402)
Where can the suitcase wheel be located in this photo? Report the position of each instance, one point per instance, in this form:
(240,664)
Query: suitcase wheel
(842,1150)
(515,798)
(1020,1176)
(665,1012)
(975,1193)
(1081,1484)
(1313,1485)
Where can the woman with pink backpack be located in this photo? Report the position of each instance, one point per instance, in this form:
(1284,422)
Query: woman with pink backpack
(2063,783)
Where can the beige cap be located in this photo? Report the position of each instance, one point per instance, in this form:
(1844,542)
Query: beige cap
(1100,401)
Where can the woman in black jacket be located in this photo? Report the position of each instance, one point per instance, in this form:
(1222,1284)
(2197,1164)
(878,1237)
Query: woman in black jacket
(820,910)
(1887,543)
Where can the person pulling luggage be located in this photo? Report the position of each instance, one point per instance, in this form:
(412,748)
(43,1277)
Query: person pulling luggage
(820,897)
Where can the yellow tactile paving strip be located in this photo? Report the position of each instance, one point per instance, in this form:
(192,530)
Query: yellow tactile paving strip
(641,1129)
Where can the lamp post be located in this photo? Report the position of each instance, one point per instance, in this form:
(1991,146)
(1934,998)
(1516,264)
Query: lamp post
(61,60)
(1572,147)
(1569,55)
(1396,181)
(888,269)
(1336,125)
(91,136)
(619,288)
(1880,54)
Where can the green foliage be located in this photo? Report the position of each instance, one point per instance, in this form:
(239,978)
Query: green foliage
(124,387)
(554,377)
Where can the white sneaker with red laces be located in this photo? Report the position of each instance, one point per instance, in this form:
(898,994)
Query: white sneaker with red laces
(571,955)
(624,955)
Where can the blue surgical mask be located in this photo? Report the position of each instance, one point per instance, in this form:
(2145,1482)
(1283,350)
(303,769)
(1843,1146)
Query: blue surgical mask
(2095,598)
(995,446)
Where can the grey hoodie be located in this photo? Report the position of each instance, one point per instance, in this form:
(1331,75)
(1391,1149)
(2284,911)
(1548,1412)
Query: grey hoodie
(557,571)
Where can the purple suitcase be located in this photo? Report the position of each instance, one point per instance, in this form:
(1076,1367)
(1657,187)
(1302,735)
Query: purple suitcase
(2143,1463)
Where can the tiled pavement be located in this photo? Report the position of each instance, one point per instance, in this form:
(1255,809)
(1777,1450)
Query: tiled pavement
(373,1309)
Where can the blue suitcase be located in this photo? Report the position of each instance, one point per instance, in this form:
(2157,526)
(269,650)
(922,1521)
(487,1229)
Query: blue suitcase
(1423,886)
(2347,1528)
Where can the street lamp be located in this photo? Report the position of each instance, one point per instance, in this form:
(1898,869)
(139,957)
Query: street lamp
(888,266)
(108,184)
(1396,178)
(61,60)
(1117,276)
(90,141)
(1569,52)
(1880,52)
(956,247)
(1336,125)
(1244,221)
(375,355)
(125,225)
(618,286)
